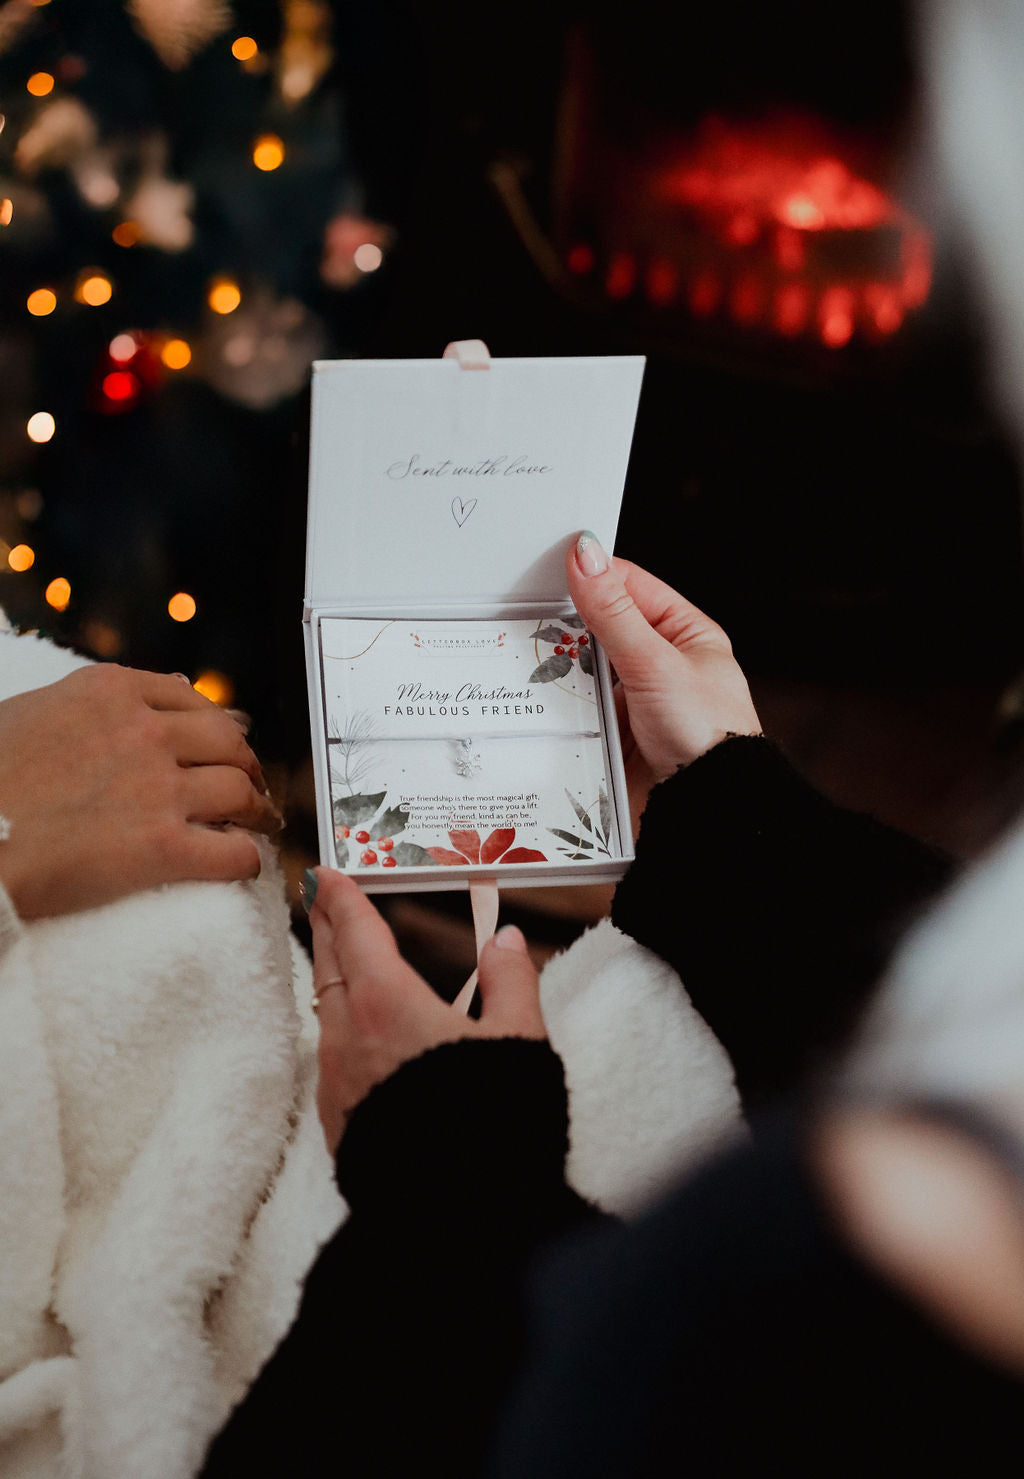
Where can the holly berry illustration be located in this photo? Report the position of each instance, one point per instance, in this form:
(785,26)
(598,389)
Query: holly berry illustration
(369,857)
(362,836)
(584,640)
(340,833)
(559,651)
(566,637)
(385,843)
(574,652)
(388,862)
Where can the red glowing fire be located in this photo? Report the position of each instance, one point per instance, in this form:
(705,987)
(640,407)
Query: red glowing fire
(772,227)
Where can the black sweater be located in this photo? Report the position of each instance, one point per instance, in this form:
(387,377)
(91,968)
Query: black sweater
(724,1330)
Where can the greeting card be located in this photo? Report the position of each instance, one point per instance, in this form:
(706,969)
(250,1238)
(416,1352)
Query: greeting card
(464,743)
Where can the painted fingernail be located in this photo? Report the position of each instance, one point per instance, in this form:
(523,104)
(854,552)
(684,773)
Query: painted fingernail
(307,888)
(590,556)
(511,937)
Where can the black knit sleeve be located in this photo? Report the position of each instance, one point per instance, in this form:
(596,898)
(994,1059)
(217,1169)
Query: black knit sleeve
(778,909)
(410,1324)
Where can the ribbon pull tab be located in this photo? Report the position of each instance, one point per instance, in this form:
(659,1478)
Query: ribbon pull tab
(472,354)
(483,897)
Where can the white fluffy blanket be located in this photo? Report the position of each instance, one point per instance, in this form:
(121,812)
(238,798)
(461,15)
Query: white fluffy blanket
(163,1181)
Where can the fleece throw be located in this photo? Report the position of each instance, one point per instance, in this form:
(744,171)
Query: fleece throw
(163,1181)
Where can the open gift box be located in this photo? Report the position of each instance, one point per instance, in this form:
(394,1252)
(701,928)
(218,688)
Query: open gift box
(462,718)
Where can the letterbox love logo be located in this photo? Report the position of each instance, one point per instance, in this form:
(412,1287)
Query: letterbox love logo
(461,509)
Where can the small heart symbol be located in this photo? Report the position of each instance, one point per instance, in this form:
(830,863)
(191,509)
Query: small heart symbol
(461,511)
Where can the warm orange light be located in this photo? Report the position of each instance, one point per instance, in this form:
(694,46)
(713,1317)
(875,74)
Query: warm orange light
(126,233)
(58,593)
(41,426)
(105,640)
(181,607)
(217,687)
(21,557)
(368,257)
(94,288)
(41,302)
(6,211)
(243,48)
(39,84)
(122,348)
(268,152)
(176,354)
(224,295)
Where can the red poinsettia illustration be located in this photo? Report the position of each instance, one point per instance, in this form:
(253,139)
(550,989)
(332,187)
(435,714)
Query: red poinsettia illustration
(497,848)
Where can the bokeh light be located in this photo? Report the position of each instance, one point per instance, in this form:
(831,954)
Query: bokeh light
(58,593)
(39,84)
(21,557)
(122,348)
(224,295)
(121,385)
(176,354)
(94,288)
(368,257)
(268,152)
(126,233)
(41,426)
(105,640)
(41,302)
(6,211)
(181,606)
(217,687)
(244,48)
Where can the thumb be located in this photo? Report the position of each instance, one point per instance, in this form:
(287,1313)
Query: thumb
(509,989)
(600,596)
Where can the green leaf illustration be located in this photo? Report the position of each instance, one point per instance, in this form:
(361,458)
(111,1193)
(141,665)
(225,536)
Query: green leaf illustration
(578,809)
(572,621)
(570,837)
(340,852)
(354,809)
(577,857)
(408,855)
(549,634)
(587,660)
(554,667)
(393,823)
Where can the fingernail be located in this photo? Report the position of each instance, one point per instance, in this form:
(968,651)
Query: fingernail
(590,557)
(511,937)
(241,718)
(184,678)
(307,888)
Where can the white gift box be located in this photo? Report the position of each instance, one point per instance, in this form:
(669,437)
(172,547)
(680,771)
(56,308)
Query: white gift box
(445,494)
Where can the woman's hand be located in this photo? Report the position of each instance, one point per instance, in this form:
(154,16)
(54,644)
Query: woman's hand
(383,1013)
(681,687)
(114,780)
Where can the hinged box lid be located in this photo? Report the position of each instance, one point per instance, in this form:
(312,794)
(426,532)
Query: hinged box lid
(430,483)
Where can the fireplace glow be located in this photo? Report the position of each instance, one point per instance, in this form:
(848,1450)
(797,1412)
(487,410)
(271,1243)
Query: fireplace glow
(770,226)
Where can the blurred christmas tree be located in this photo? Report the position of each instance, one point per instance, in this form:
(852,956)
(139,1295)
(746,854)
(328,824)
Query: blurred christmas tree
(183,231)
